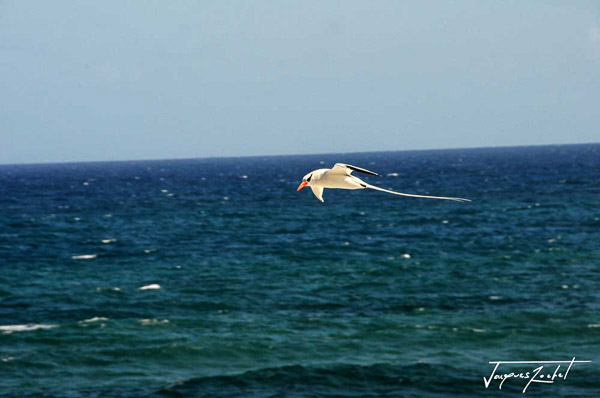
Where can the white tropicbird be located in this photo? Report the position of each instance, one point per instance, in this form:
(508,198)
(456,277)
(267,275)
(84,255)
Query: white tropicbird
(340,176)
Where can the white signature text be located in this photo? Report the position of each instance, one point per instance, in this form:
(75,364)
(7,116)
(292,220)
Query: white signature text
(537,375)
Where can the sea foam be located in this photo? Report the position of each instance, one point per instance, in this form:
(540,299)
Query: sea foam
(147,322)
(152,286)
(95,319)
(7,329)
(84,257)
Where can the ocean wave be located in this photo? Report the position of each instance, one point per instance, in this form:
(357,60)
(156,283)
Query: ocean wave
(84,257)
(337,380)
(94,319)
(153,286)
(8,329)
(147,322)
(108,289)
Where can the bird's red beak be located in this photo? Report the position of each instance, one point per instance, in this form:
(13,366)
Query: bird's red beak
(302,185)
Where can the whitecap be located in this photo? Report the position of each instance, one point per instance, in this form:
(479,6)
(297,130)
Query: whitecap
(108,289)
(147,322)
(477,330)
(495,297)
(393,174)
(244,177)
(152,286)
(594,325)
(406,255)
(110,240)
(84,257)
(7,329)
(95,319)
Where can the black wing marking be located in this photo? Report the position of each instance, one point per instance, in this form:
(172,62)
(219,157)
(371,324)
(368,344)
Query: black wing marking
(362,170)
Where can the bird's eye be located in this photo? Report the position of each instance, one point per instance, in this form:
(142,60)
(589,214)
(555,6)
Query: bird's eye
(309,177)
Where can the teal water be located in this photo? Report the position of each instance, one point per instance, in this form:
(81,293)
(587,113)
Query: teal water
(266,292)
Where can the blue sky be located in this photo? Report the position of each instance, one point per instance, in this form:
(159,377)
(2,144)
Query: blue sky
(116,80)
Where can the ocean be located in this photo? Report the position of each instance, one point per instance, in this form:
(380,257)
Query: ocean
(215,278)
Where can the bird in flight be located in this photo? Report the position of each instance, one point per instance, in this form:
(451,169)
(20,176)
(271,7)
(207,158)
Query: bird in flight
(340,176)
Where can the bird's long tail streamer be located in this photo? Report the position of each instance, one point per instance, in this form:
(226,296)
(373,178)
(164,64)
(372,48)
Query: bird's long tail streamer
(417,196)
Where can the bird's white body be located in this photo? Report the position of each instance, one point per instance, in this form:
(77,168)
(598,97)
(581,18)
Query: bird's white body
(340,177)
(323,178)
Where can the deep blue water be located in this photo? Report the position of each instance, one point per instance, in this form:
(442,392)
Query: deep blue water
(266,292)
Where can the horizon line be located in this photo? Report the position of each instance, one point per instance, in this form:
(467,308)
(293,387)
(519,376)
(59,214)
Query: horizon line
(291,154)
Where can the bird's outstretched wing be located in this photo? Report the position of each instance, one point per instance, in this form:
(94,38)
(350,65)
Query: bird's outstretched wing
(318,191)
(417,196)
(347,169)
